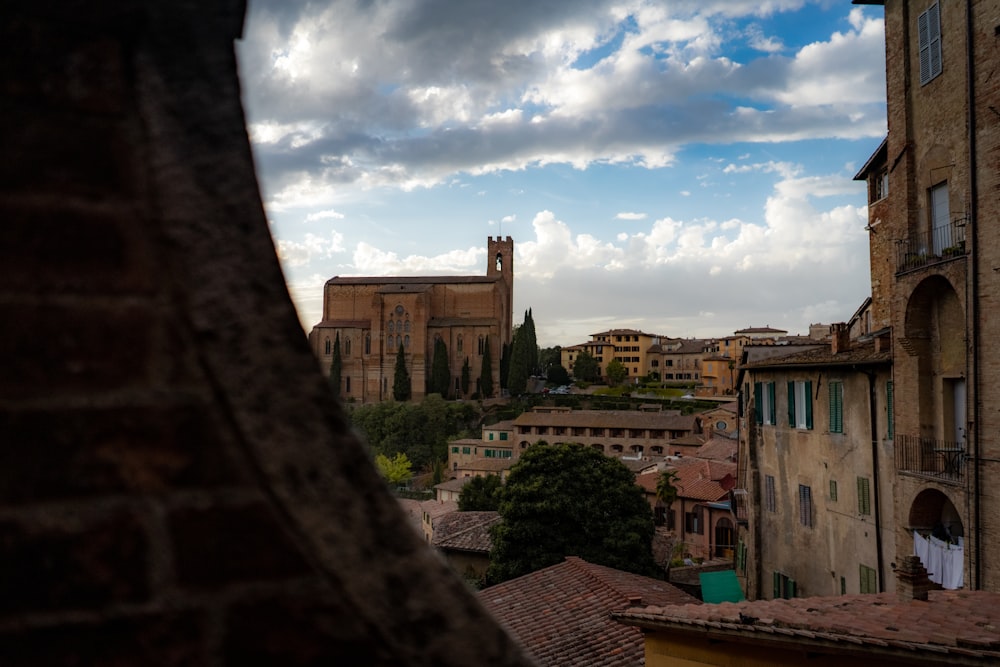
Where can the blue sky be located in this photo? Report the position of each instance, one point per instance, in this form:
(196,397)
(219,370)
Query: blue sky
(683,167)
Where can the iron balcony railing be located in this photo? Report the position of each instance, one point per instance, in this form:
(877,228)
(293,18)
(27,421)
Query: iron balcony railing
(922,249)
(928,457)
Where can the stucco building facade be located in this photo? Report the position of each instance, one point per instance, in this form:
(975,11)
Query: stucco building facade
(374,316)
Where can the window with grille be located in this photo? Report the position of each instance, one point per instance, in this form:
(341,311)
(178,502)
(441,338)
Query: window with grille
(805,505)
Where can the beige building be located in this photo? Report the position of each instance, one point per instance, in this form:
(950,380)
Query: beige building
(634,349)
(935,253)
(679,359)
(373,317)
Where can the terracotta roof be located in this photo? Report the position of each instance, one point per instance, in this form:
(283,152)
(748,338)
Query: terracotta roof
(561,614)
(951,627)
(344,324)
(453,484)
(421,282)
(859,353)
(489,465)
(751,330)
(465,531)
(436,508)
(608,419)
(718,449)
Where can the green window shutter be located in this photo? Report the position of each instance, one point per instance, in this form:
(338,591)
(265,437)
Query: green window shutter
(790,588)
(503,436)
(771,406)
(791,404)
(869,582)
(836,407)
(888,407)
(809,405)
(777,585)
(491,436)
(864,497)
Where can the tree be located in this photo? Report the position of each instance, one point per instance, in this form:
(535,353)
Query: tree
(566,499)
(616,372)
(549,356)
(666,492)
(504,365)
(440,382)
(585,367)
(395,471)
(557,375)
(401,379)
(518,370)
(466,375)
(336,365)
(531,343)
(480,494)
(486,372)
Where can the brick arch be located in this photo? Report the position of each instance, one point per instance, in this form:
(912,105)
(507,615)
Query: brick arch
(179,459)
(931,507)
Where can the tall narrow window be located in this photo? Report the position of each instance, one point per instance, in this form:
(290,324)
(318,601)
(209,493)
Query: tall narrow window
(800,413)
(368,344)
(763,398)
(833,490)
(940,218)
(929,43)
(388,344)
(770,500)
(888,408)
(805,505)
(347,347)
(326,346)
(459,343)
(836,406)
(347,384)
(864,496)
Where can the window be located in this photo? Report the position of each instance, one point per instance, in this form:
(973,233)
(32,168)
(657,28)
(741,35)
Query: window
(491,436)
(459,343)
(763,400)
(454,450)
(770,501)
(503,436)
(347,384)
(368,344)
(881,185)
(388,344)
(940,218)
(836,406)
(482,345)
(929,43)
(843,585)
(869,582)
(391,326)
(741,556)
(326,346)
(800,413)
(888,408)
(693,521)
(805,505)
(406,341)
(864,496)
(833,490)
(347,347)
(466,450)
(784,587)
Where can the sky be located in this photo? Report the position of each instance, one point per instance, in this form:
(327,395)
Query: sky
(681,167)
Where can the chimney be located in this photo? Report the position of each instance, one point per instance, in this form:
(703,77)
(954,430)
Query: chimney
(635,600)
(840,340)
(911,580)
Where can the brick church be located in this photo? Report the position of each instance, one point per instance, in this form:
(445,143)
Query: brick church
(473,315)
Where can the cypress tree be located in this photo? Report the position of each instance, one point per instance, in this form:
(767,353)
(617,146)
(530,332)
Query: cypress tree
(532,344)
(504,365)
(486,372)
(336,367)
(440,373)
(401,379)
(466,376)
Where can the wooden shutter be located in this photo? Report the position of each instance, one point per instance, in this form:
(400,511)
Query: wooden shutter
(791,404)
(929,43)
(809,405)
(771,407)
(758,403)
(864,497)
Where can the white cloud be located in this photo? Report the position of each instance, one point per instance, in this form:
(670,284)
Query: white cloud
(293,253)
(630,216)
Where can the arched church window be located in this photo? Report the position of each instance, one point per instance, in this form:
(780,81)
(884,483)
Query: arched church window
(406,326)
(482,345)
(326,347)
(406,342)
(391,327)
(347,347)
(399,326)
(388,344)
(368,343)
(458,343)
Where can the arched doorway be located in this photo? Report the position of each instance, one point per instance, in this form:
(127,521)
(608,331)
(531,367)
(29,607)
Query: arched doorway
(937,535)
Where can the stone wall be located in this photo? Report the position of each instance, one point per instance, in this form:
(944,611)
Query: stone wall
(177,487)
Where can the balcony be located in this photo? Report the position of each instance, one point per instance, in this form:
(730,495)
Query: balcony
(941,245)
(940,460)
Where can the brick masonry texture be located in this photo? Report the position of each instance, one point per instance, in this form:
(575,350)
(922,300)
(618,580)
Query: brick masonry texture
(178,487)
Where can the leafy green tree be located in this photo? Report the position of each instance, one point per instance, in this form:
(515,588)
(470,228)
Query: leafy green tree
(616,372)
(466,377)
(566,499)
(440,373)
(336,367)
(557,375)
(401,389)
(480,494)
(548,357)
(395,471)
(585,367)
(486,372)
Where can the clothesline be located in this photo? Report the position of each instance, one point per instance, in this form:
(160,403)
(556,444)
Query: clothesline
(944,561)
